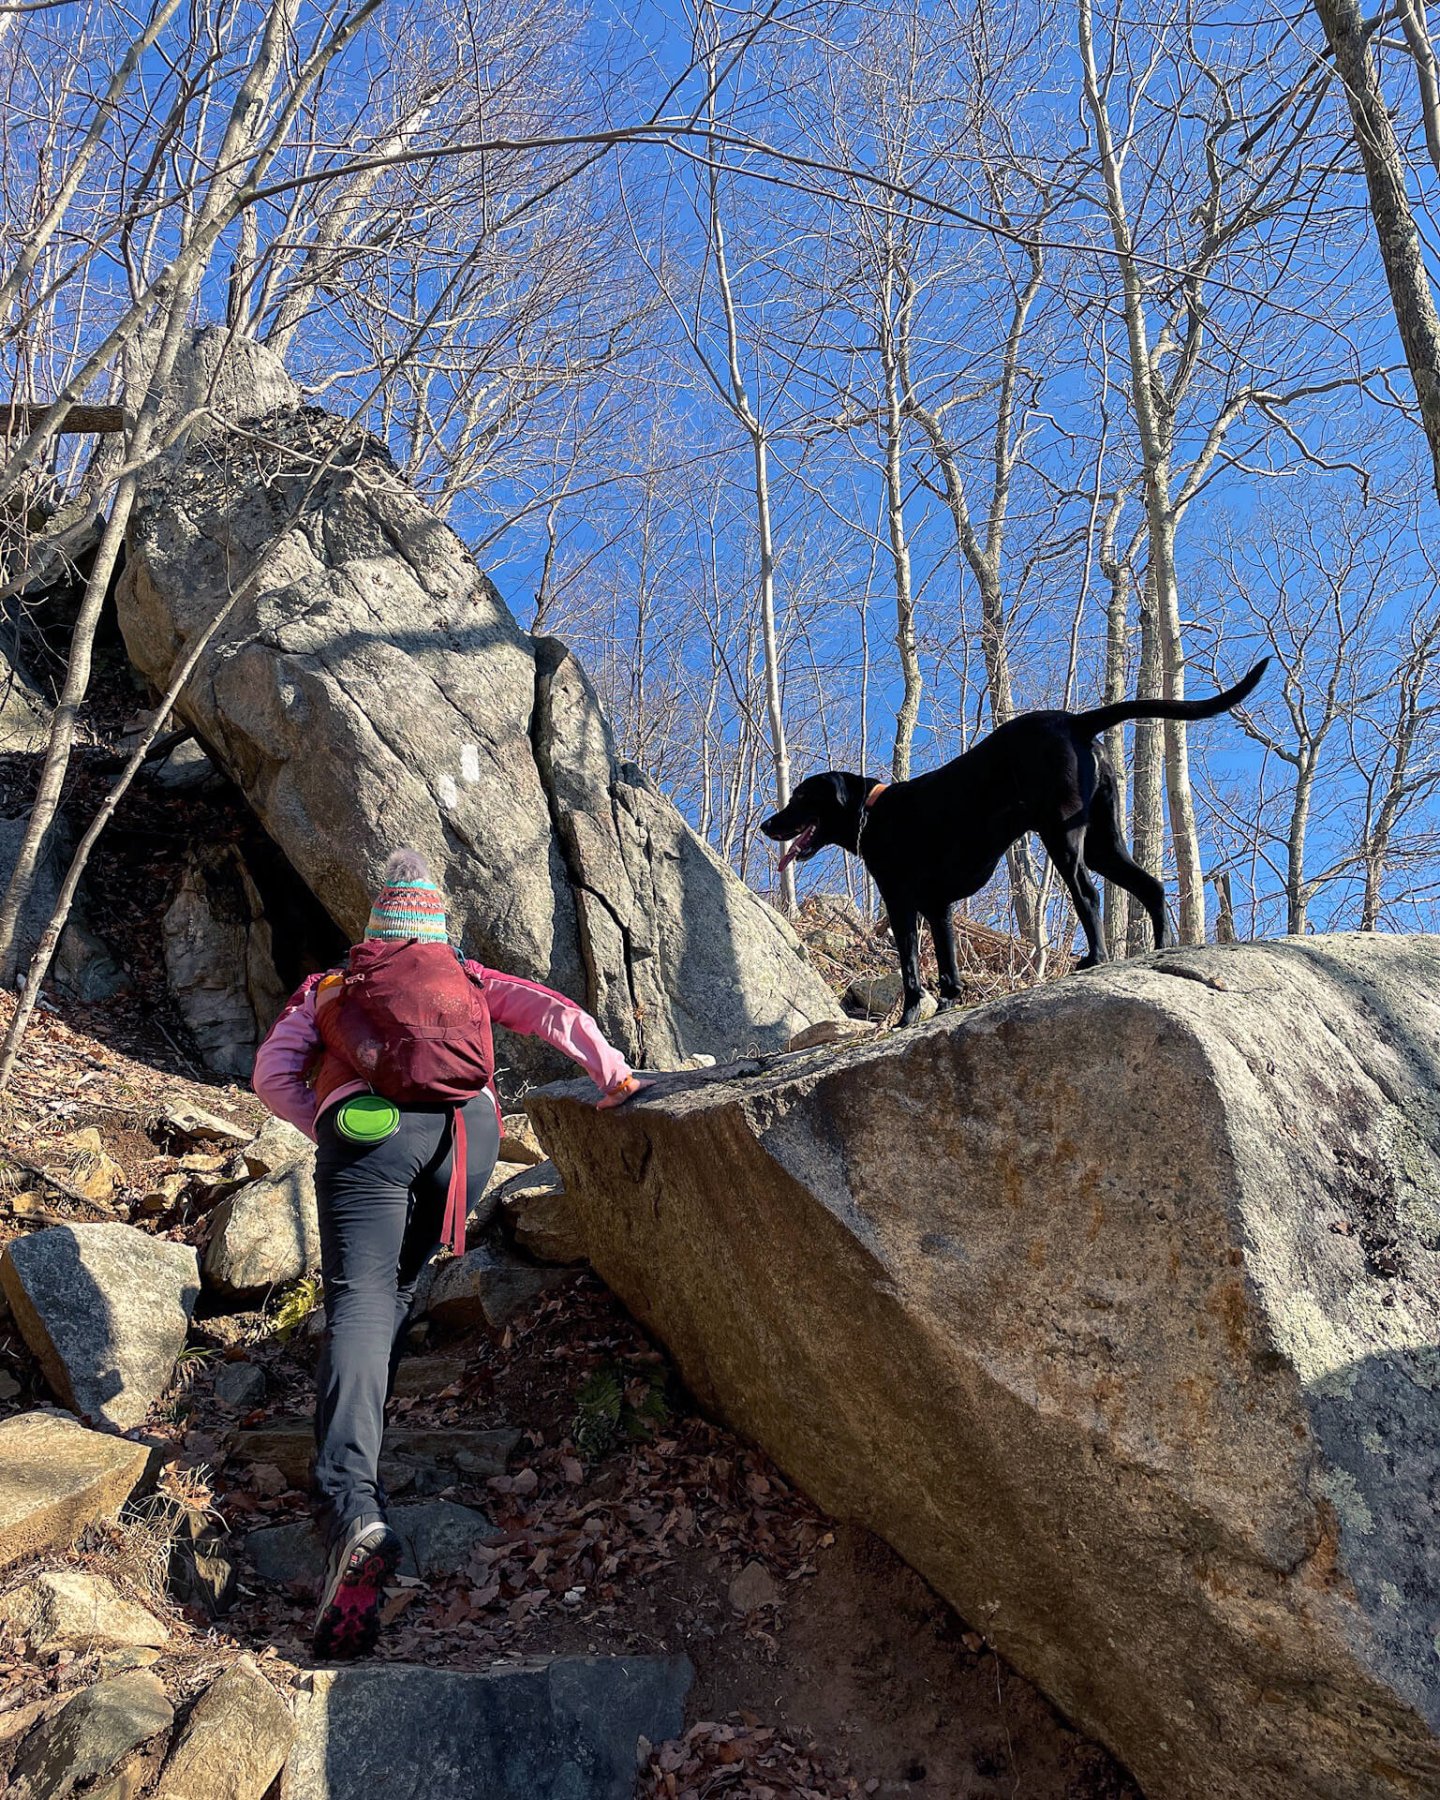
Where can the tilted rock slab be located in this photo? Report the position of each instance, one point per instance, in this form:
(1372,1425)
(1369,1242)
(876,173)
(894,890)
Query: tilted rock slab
(376,690)
(57,1477)
(234,1743)
(89,1735)
(105,1309)
(552,1728)
(1115,1308)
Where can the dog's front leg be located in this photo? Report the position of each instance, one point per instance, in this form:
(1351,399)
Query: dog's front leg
(905,925)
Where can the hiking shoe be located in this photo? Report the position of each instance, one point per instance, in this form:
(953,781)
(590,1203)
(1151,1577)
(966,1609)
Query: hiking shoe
(361,1561)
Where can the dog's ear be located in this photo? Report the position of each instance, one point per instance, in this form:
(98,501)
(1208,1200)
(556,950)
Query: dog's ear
(846,790)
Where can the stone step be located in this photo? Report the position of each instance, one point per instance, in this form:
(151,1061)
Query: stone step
(551,1728)
(437,1536)
(420,1451)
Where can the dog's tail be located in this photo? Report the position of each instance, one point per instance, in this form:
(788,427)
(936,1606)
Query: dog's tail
(1091,724)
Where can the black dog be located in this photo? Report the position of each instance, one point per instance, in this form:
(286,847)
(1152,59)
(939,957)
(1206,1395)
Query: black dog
(932,841)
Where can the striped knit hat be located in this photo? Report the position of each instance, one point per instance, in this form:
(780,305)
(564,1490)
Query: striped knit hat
(409,905)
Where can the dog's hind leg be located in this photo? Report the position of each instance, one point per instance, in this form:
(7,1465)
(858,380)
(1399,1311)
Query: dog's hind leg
(1107,856)
(944,936)
(1064,849)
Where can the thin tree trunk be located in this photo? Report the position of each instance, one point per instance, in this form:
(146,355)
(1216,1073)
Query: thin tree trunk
(1297,895)
(1117,647)
(1148,772)
(1395,232)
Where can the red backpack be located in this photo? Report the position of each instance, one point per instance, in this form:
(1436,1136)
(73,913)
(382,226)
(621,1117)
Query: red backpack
(408,1019)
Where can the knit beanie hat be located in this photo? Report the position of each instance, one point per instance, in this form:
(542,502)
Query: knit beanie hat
(409,904)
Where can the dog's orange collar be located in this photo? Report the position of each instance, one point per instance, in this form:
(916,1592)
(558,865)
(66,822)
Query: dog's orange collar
(875,793)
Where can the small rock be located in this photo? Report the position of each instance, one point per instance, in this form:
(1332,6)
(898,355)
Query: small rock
(518,1142)
(105,1309)
(190,1125)
(9,1386)
(539,1218)
(265,1235)
(68,1609)
(753,1588)
(202,1570)
(134,1656)
(483,1287)
(89,1735)
(278,1148)
(831,1031)
(56,1478)
(240,1385)
(163,1195)
(233,1744)
(875,996)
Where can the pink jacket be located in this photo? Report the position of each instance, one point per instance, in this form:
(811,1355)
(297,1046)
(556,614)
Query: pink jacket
(285,1061)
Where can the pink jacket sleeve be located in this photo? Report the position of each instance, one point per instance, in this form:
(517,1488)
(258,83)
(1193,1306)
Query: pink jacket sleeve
(536,1011)
(285,1058)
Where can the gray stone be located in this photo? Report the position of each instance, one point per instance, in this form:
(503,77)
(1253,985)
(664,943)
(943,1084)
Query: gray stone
(378,690)
(202,1571)
(240,1385)
(219,960)
(1114,1307)
(422,1377)
(831,1031)
(484,1287)
(89,1735)
(753,1588)
(290,1447)
(68,1609)
(234,1743)
(277,1147)
(518,1142)
(481,1210)
(265,1235)
(56,1478)
(105,1309)
(539,1217)
(561,1728)
(437,1536)
(186,1126)
(875,996)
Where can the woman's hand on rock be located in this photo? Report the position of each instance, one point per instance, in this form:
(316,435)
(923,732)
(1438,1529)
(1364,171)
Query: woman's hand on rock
(626,1090)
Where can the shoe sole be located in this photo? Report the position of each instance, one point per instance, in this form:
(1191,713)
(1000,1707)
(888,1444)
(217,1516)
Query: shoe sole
(350,1624)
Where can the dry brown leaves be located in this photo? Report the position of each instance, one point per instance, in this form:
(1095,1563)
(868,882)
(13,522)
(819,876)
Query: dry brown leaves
(743,1760)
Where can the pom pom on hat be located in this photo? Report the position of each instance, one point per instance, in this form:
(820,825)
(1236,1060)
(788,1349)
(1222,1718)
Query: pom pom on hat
(409,904)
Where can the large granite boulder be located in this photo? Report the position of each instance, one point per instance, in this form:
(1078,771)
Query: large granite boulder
(1115,1308)
(105,1308)
(376,690)
(266,1233)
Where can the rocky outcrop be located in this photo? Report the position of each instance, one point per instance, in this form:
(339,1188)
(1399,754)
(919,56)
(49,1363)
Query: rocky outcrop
(105,1309)
(376,689)
(220,960)
(1115,1308)
(56,1478)
(548,1729)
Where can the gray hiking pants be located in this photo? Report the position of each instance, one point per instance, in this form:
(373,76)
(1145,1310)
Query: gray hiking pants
(382,1210)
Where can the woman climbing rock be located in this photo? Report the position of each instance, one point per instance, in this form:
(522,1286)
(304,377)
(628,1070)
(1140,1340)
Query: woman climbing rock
(386,1062)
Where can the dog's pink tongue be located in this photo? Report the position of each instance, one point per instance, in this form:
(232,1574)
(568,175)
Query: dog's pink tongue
(797,844)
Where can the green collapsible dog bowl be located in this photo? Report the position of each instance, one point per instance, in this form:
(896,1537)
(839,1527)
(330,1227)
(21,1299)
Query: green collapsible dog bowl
(367,1118)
